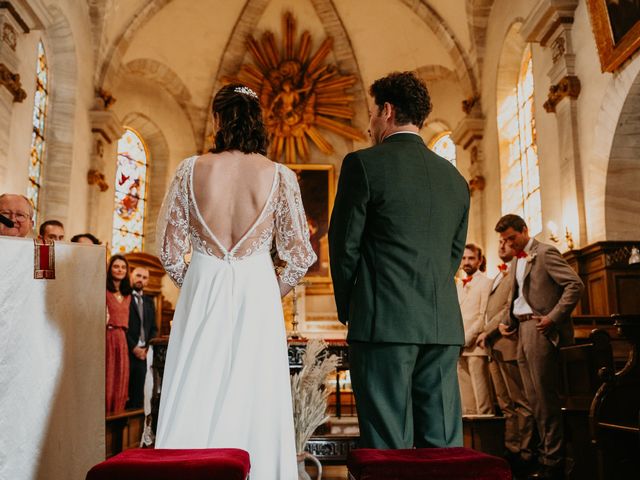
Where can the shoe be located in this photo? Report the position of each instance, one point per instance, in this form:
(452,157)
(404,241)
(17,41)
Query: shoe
(547,472)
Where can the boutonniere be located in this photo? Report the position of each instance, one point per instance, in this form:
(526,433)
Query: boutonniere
(531,257)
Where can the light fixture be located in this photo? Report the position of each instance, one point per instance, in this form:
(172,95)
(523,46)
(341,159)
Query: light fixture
(553,232)
(569,237)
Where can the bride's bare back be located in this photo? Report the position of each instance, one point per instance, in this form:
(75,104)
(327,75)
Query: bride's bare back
(231,190)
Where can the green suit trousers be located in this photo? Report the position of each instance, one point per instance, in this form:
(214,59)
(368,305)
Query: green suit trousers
(407,395)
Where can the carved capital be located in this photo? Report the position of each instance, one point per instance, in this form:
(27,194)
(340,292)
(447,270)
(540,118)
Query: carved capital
(468,131)
(106,125)
(569,86)
(104,99)
(9,36)
(476,184)
(470,103)
(94,177)
(12,83)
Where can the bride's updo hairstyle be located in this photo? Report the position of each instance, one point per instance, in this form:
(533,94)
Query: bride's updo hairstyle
(239,116)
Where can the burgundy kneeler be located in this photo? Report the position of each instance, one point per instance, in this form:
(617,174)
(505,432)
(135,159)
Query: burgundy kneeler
(426,464)
(166,464)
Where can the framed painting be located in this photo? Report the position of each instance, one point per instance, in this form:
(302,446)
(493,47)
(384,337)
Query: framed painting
(317,187)
(616,27)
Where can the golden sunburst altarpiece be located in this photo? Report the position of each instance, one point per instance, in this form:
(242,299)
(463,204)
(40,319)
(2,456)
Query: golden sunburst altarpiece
(299,92)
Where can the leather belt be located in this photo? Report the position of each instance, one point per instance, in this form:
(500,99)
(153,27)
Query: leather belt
(525,318)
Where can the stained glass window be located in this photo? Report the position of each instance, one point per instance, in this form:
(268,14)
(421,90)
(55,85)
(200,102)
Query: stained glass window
(37,135)
(520,175)
(130,195)
(443,145)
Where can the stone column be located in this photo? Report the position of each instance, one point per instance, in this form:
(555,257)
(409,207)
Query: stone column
(106,129)
(468,135)
(11,27)
(550,25)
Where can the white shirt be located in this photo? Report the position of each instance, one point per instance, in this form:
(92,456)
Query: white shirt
(402,131)
(137,297)
(520,305)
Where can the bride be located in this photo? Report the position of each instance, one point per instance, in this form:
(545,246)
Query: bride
(226,377)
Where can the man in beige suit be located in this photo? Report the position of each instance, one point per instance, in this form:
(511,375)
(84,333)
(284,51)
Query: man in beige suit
(473,372)
(503,367)
(545,290)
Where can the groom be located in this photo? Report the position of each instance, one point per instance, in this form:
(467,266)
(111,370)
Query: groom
(397,235)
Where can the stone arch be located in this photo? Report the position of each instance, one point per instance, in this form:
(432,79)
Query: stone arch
(60,123)
(622,191)
(158,148)
(478,12)
(110,64)
(461,60)
(598,160)
(166,78)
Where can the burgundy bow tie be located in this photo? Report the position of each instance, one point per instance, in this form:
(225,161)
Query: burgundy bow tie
(522,254)
(466,280)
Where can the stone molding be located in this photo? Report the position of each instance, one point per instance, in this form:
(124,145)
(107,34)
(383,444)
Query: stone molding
(106,124)
(546,17)
(11,81)
(550,24)
(470,129)
(569,87)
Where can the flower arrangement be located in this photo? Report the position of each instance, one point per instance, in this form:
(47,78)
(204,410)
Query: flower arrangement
(309,393)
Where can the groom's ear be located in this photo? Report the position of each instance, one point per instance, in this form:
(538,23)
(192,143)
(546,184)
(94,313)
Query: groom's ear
(388,111)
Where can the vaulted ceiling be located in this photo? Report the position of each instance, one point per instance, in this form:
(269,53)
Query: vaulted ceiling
(188,46)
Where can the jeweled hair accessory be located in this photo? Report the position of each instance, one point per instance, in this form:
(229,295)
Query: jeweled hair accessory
(246,91)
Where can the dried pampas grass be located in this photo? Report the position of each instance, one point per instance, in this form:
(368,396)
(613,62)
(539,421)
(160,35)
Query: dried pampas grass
(309,393)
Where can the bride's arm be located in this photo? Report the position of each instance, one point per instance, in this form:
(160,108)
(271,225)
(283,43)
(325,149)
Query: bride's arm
(292,233)
(172,232)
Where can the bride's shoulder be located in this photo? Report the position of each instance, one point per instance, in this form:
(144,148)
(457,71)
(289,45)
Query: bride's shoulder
(185,165)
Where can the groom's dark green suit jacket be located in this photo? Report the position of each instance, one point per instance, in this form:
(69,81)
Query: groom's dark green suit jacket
(397,235)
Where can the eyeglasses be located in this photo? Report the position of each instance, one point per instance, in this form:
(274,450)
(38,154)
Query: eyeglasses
(17,216)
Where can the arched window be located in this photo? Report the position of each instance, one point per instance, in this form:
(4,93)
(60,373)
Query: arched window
(443,145)
(520,174)
(36,156)
(130,195)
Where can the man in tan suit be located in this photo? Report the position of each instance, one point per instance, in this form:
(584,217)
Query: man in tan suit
(503,367)
(473,372)
(545,290)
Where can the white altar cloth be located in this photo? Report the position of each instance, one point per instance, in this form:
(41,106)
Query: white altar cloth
(52,335)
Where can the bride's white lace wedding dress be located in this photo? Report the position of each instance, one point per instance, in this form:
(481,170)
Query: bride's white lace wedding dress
(226,376)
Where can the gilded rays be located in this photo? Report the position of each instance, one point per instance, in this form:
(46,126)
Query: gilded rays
(300,93)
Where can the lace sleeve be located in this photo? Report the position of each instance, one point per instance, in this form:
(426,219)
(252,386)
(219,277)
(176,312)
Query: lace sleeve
(292,232)
(173,225)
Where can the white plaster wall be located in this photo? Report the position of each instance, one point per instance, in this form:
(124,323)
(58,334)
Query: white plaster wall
(190,37)
(387,36)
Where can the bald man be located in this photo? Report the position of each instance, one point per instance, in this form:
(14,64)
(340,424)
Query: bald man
(18,209)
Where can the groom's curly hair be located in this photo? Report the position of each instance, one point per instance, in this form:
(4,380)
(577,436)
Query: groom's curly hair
(407,93)
(240,123)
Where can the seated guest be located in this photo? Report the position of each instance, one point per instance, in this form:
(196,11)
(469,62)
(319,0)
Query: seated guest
(142,328)
(473,371)
(85,238)
(19,210)
(51,231)
(117,353)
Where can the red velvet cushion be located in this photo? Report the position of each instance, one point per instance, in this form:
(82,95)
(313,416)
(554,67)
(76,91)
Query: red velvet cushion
(167,464)
(426,463)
